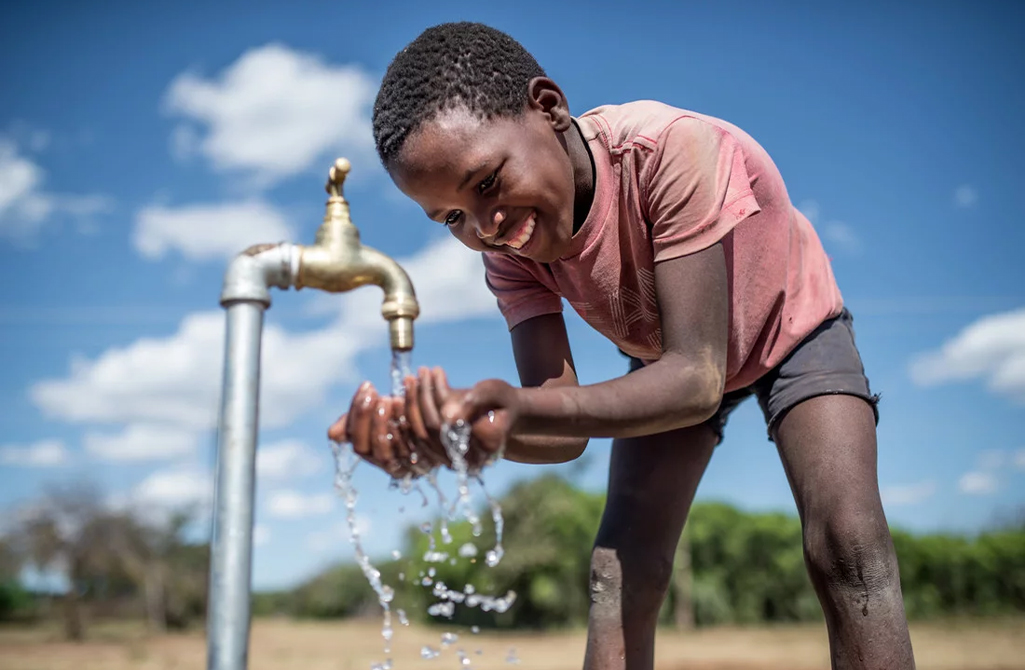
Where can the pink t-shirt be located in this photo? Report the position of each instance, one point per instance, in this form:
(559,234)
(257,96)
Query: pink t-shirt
(670,182)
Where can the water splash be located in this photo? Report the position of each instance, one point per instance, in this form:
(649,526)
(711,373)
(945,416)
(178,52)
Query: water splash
(432,480)
(429,652)
(346,462)
(456,439)
(494,556)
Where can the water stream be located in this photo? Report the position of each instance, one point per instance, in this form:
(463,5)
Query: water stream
(456,439)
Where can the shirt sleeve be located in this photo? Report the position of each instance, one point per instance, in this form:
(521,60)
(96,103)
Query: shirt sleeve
(520,294)
(697,188)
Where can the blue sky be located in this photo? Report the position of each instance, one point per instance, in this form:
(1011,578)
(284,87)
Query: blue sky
(140,148)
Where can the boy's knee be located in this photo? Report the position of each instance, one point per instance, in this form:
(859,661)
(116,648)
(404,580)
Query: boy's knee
(851,554)
(637,576)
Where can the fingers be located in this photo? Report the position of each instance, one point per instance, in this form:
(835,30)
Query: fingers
(337,431)
(361,415)
(414,417)
(382,440)
(441,390)
(428,405)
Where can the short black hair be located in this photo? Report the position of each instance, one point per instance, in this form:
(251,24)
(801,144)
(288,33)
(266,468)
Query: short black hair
(450,65)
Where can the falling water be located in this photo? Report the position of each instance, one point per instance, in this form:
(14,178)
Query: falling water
(456,441)
(345,463)
(401,367)
(494,556)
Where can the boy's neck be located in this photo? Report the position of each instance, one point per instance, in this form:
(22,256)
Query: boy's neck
(583,175)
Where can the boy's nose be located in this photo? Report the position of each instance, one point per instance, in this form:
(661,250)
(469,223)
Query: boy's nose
(489,225)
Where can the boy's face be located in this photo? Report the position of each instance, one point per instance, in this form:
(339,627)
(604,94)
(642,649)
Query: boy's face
(504,184)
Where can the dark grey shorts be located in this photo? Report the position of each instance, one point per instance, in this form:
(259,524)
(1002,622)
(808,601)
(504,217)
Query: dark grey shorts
(826,362)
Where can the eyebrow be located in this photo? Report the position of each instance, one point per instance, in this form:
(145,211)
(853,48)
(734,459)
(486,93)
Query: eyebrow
(470,174)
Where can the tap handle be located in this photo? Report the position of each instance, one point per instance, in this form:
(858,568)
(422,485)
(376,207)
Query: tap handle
(336,177)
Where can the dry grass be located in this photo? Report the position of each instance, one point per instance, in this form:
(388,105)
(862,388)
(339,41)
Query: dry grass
(354,645)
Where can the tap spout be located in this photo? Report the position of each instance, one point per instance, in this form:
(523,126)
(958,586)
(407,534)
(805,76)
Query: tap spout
(338,262)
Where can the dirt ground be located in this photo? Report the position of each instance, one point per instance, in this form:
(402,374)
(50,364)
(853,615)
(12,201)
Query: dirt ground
(287,645)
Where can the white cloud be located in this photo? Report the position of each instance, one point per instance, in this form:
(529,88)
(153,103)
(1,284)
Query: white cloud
(173,489)
(835,234)
(42,454)
(287,459)
(978,483)
(176,379)
(965,196)
(992,348)
(908,494)
(810,209)
(141,442)
(841,236)
(274,112)
(288,504)
(992,459)
(1019,459)
(261,535)
(204,232)
(337,535)
(25,206)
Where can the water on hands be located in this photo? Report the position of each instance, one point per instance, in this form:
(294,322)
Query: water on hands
(456,441)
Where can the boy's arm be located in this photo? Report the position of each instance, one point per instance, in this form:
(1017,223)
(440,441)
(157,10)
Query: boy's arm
(683,388)
(544,360)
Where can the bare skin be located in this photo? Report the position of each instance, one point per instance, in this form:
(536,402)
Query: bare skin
(535,166)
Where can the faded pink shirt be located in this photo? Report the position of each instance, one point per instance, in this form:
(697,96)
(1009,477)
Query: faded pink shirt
(670,183)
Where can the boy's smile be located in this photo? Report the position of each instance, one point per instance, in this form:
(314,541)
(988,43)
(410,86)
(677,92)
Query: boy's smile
(506,184)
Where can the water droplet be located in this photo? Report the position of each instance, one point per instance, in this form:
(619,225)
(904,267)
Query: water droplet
(511,656)
(403,619)
(448,638)
(446,609)
(431,571)
(467,550)
(429,652)
(396,554)
(473,629)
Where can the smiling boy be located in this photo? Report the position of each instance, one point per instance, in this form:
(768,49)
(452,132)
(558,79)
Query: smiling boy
(672,234)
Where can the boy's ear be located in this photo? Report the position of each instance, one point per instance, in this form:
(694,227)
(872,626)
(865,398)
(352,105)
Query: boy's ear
(545,96)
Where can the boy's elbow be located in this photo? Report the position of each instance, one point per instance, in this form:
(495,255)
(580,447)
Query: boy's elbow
(705,397)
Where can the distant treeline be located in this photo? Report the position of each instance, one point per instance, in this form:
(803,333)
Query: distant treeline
(742,568)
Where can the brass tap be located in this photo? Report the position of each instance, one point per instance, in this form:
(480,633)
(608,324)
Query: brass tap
(337,262)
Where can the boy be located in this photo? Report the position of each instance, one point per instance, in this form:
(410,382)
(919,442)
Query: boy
(671,233)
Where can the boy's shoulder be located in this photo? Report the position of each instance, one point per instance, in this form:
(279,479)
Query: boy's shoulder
(639,122)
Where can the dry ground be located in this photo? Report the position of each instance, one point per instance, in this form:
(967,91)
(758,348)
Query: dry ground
(286,645)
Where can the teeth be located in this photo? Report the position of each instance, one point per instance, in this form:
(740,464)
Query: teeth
(523,235)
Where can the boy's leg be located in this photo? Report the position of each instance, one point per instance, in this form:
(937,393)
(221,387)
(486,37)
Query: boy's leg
(828,447)
(652,481)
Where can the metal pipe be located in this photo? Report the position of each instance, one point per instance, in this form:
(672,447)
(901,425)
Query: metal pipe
(231,555)
(336,262)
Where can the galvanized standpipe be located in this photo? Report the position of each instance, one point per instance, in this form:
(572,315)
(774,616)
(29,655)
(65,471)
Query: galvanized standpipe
(337,262)
(245,297)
